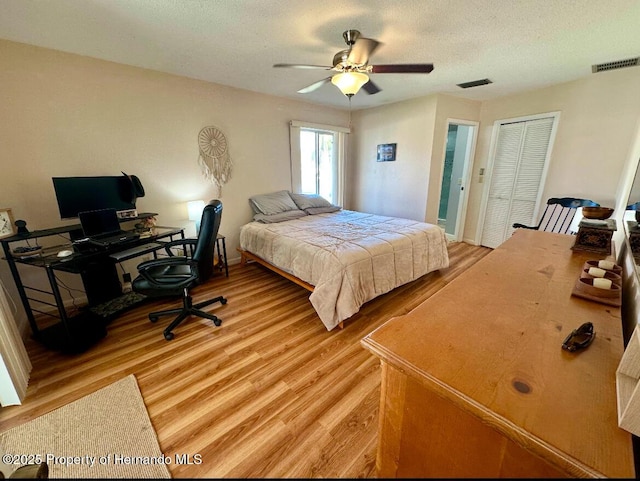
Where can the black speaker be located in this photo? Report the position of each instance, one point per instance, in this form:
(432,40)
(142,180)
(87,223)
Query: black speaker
(22,227)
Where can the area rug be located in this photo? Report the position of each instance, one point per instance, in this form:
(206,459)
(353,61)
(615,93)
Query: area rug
(106,434)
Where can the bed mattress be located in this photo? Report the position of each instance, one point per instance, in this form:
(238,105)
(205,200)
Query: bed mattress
(349,257)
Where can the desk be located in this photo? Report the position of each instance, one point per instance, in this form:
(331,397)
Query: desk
(475,383)
(96,266)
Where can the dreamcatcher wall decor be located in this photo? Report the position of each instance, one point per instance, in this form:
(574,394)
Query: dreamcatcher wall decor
(214,158)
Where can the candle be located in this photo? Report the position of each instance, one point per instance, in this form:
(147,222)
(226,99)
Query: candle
(606,264)
(596,272)
(601,283)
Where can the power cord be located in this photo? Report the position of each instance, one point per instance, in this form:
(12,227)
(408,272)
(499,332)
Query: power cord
(69,289)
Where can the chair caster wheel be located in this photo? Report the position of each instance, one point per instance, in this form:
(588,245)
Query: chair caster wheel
(223,301)
(153,318)
(217,322)
(168,336)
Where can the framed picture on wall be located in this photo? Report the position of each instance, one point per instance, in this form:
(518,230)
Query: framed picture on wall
(386,152)
(7,227)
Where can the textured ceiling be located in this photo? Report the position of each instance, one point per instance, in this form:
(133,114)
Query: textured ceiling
(518,44)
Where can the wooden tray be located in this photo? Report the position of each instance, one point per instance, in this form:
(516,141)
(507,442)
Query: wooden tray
(584,288)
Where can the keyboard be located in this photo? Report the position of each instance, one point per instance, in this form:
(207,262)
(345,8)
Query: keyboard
(105,241)
(136,251)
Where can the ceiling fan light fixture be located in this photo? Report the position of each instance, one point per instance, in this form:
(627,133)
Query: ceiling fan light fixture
(349,83)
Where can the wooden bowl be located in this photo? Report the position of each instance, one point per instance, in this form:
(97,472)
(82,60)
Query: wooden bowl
(586,286)
(594,263)
(612,276)
(599,213)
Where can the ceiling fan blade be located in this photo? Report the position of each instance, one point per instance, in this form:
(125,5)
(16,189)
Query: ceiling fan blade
(314,86)
(371,88)
(362,50)
(297,65)
(403,68)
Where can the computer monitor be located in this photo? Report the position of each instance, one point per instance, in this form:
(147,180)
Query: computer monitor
(80,194)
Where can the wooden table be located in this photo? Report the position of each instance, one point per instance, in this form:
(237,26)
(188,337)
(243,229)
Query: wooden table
(475,383)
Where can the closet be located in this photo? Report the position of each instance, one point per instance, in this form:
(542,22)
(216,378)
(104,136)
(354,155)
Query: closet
(518,165)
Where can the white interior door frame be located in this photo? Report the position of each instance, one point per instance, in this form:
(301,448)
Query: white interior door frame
(466,175)
(491,160)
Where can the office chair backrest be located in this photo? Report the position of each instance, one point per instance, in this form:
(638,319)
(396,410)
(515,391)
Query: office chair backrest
(559,213)
(204,250)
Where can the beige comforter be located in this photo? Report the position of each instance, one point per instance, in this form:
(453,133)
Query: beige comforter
(350,257)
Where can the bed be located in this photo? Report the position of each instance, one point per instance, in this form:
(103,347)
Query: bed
(345,258)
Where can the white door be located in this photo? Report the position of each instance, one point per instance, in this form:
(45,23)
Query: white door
(457,163)
(518,168)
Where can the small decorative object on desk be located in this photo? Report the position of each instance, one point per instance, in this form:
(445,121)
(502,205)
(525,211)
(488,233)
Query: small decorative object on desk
(580,338)
(598,273)
(604,264)
(600,281)
(6,223)
(146,224)
(594,235)
(599,213)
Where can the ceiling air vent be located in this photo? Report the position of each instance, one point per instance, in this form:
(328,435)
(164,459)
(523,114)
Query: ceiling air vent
(475,83)
(601,67)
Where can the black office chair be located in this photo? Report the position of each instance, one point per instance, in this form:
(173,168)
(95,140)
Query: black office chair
(559,214)
(176,275)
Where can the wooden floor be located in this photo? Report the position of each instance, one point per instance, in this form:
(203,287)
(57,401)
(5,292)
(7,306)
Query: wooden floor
(270,393)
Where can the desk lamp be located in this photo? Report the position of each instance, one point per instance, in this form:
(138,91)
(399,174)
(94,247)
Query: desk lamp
(195,208)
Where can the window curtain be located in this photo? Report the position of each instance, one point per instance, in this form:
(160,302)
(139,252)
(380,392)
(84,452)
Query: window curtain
(341,136)
(15,365)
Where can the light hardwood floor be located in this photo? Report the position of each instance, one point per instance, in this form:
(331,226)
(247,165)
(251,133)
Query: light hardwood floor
(270,393)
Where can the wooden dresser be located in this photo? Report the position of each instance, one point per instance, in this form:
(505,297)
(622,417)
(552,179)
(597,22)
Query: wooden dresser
(475,383)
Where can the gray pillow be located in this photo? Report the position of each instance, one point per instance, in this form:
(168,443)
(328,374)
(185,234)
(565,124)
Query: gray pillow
(322,210)
(308,201)
(280,217)
(273,203)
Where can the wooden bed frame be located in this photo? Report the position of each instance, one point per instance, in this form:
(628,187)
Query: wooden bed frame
(246,256)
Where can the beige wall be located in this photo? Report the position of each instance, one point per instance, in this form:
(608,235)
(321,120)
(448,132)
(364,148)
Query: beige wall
(68,115)
(410,186)
(598,116)
(598,122)
(393,188)
(448,108)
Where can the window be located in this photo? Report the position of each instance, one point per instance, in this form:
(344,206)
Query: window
(317,160)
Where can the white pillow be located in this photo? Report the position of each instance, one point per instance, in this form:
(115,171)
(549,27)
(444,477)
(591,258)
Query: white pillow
(309,201)
(273,203)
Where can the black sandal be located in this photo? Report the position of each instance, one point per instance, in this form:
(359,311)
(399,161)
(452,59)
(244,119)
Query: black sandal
(579,338)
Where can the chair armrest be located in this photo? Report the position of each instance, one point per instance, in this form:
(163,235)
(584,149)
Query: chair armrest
(178,242)
(145,267)
(163,262)
(522,226)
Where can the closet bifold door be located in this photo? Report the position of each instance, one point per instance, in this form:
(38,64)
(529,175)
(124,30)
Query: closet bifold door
(518,169)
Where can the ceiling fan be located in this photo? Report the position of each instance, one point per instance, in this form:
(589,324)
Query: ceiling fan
(352,65)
